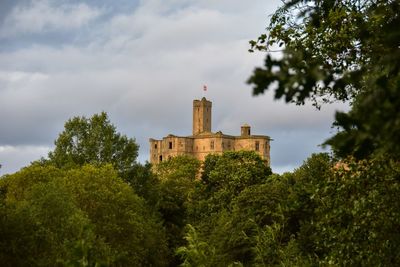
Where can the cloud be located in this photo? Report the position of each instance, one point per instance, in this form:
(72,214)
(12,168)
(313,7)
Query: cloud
(44,16)
(12,158)
(144,67)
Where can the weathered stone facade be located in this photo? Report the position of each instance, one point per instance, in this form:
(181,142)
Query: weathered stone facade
(204,142)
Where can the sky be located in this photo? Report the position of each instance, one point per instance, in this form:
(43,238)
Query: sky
(142,62)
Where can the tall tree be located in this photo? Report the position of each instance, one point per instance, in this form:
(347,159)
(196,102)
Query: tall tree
(339,50)
(121,218)
(85,215)
(226,175)
(40,223)
(177,182)
(94,141)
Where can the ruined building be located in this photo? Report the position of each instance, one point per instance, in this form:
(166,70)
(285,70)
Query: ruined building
(203,142)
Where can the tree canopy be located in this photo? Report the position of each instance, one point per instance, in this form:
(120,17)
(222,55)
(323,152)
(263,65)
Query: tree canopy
(86,215)
(231,210)
(339,50)
(94,141)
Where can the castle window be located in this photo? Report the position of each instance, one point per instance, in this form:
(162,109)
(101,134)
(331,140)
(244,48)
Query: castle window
(160,158)
(257,145)
(155,146)
(170,145)
(248,131)
(212,145)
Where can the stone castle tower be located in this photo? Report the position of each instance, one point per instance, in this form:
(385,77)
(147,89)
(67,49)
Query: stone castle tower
(203,142)
(201,116)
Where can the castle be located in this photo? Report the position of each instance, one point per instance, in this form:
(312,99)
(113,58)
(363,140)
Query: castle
(203,142)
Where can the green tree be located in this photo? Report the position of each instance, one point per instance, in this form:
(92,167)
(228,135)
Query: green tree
(196,252)
(144,182)
(226,175)
(357,214)
(269,222)
(235,232)
(40,223)
(177,182)
(87,215)
(210,211)
(343,50)
(311,177)
(179,167)
(94,141)
(339,50)
(131,229)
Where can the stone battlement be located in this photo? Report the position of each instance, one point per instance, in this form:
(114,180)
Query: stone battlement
(203,141)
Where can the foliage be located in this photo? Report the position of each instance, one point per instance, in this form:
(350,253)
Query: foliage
(178,167)
(254,207)
(93,141)
(340,50)
(226,175)
(120,217)
(237,233)
(87,215)
(40,223)
(213,210)
(342,214)
(346,214)
(197,252)
(177,181)
(143,181)
(324,213)
(357,217)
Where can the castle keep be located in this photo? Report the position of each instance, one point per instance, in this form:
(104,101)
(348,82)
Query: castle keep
(203,142)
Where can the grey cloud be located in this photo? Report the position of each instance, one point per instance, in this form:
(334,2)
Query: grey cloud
(144,68)
(12,158)
(43,16)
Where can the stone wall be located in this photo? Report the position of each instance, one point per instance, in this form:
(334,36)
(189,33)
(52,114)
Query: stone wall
(204,142)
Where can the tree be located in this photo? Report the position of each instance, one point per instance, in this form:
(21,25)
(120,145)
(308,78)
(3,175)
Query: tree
(235,231)
(144,182)
(51,216)
(132,231)
(226,175)
(210,211)
(179,167)
(39,222)
(223,178)
(93,141)
(177,182)
(196,252)
(357,215)
(339,50)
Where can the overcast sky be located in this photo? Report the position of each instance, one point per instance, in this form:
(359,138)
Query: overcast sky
(143,62)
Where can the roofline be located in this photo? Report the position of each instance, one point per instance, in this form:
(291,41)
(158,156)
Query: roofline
(210,135)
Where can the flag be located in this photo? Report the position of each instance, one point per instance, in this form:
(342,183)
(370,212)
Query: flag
(204,88)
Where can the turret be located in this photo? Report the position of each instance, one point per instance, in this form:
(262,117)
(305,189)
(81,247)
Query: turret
(201,116)
(245,130)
